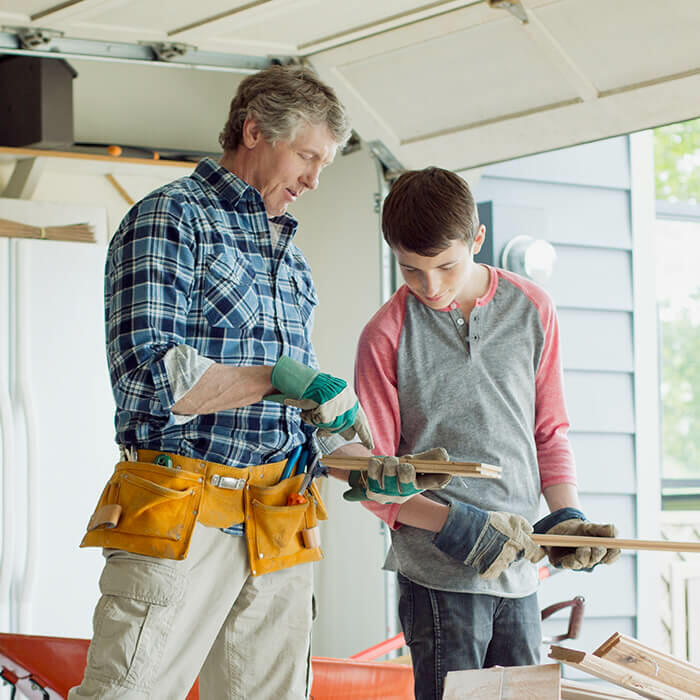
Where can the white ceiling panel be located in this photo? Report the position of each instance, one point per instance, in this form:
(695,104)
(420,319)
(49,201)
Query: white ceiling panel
(627,41)
(456,79)
(457,83)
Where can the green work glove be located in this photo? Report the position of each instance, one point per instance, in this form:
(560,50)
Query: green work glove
(391,480)
(488,541)
(571,521)
(326,402)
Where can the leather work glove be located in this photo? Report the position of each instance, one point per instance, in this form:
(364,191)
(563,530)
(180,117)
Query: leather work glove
(489,541)
(325,401)
(571,521)
(391,480)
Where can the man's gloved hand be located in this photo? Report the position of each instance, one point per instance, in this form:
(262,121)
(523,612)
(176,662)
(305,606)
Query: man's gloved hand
(571,521)
(489,541)
(391,480)
(325,401)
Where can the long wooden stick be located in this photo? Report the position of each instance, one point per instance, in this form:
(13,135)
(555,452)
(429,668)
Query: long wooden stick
(472,469)
(614,543)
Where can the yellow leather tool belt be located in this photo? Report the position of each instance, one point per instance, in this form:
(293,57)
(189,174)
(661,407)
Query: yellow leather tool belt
(151,509)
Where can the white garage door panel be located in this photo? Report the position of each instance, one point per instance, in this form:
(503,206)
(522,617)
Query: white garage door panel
(469,76)
(601,36)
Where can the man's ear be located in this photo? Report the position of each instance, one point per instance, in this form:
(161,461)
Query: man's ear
(251,133)
(479,239)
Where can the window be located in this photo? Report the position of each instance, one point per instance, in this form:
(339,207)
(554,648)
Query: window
(677,172)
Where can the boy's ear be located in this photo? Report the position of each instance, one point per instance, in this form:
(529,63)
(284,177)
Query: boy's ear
(479,239)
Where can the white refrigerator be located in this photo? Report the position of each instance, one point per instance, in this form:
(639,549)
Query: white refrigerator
(56,420)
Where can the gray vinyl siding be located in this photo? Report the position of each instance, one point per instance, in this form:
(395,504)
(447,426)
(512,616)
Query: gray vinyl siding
(579,200)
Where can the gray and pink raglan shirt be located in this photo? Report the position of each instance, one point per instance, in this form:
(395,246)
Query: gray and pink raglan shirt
(488,389)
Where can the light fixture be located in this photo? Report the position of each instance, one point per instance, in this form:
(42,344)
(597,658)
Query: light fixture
(530,257)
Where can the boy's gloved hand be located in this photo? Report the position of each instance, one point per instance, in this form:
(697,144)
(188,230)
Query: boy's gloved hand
(571,521)
(391,480)
(325,401)
(489,541)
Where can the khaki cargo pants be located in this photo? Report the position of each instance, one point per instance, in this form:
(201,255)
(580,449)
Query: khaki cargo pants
(160,623)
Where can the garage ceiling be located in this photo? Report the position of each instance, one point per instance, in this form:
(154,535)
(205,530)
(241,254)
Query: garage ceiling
(457,84)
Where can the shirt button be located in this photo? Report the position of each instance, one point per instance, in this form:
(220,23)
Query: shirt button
(475,317)
(460,321)
(476,337)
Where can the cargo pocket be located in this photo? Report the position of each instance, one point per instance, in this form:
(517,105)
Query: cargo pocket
(152,510)
(132,620)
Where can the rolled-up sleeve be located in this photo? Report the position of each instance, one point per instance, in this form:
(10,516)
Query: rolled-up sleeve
(148,286)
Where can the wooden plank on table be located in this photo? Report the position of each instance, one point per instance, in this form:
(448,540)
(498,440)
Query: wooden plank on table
(473,469)
(630,653)
(620,675)
(573,690)
(512,683)
(615,542)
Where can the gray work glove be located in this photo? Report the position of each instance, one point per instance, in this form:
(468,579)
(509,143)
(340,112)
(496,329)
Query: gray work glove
(392,480)
(488,541)
(571,521)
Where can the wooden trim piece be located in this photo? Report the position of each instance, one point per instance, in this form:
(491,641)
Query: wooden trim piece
(36,152)
(572,690)
(474,469)
(615,543)
(628,652)
(620,675)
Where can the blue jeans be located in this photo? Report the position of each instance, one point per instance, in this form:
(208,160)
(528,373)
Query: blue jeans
(448,631)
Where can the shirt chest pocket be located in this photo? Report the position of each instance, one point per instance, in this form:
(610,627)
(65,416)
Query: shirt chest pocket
(230,295)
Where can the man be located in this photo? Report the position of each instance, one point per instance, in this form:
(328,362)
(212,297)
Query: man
(208,309)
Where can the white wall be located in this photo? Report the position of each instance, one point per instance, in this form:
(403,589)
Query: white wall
(339,235)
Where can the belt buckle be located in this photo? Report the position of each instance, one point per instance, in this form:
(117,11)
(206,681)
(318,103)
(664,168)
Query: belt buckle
(227,482)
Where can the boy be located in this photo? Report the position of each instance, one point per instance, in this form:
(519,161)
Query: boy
(466,356)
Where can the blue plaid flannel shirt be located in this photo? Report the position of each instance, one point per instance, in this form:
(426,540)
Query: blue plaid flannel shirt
(193,263)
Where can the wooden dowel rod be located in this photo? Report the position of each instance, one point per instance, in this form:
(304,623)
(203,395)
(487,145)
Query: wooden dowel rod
(615,543)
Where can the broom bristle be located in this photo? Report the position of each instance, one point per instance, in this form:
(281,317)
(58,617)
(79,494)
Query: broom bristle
(77,233)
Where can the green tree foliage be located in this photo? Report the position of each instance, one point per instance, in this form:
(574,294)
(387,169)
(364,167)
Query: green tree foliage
(677,161)
(680,392)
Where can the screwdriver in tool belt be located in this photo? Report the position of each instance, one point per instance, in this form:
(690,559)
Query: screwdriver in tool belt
(295,499)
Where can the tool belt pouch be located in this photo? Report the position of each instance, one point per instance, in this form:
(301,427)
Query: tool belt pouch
(275,531)
(147,509)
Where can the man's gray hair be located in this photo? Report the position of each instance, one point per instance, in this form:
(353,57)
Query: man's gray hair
(280,99)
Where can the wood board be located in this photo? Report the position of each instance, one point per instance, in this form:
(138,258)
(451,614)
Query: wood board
(471,469)
(539,682)
(620,675)
(615,543)
(573,690)
(630,653)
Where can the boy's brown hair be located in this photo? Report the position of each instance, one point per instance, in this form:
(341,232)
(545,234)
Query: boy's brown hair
(427,209)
